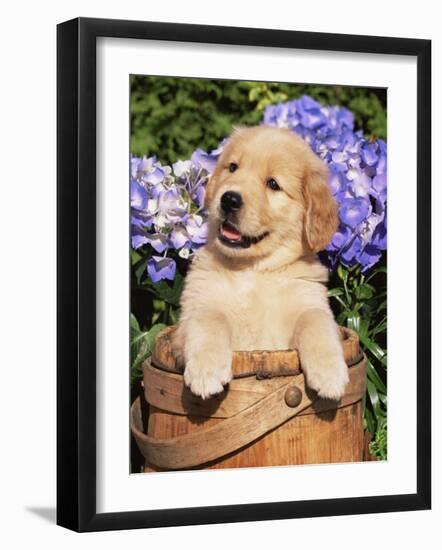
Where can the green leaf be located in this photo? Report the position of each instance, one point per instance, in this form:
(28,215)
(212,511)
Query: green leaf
(134,334)
(363,327)
(383,398)
(379,270)
(364,292)
(374,397)
(375,349)
(353,321)
(369,421)
(335,292)
(169,293)
(135,256)
(139,269)
(134,326)
(342,273)
(381,327)
(375,378)
(146,343)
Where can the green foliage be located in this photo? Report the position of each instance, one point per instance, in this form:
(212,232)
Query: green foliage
(154,305)
(171,117)
(142,344)
(360,302)
(378,447)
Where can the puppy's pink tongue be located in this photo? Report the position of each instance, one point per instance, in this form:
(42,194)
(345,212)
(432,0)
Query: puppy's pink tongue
(230,233)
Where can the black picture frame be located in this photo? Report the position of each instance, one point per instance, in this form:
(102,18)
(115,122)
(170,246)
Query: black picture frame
(76,273)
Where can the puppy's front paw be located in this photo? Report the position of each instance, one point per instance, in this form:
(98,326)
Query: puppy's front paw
(328,377)
(206,375)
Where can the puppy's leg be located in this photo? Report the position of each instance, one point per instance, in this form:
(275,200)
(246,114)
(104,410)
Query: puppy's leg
(207,353)
(320,350)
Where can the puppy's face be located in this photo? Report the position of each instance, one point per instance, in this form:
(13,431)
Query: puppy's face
(269,191)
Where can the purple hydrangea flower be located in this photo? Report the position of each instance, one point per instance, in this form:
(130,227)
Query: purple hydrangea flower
(167,214)
(194,173)
(358,176)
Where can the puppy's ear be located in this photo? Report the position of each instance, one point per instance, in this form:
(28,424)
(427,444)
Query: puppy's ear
(210,190)
(321,216)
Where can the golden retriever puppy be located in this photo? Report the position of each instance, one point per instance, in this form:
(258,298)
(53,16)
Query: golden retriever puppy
(257,284)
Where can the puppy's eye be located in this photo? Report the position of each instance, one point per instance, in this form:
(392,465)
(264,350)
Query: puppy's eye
(273,185)
(233,167)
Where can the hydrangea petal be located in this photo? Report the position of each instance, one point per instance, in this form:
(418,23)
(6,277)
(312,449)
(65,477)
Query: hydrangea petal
(360,185)
(182,167)
(157,241)
(138,239)
(204,160)
(159,268)
(353,211)
(179,237)
(368,154)
(138,195)
(155,177)
(368,257)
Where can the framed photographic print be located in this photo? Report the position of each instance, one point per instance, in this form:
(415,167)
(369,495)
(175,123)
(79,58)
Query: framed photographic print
(226,289)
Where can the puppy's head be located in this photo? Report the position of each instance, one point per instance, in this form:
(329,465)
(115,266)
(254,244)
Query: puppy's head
(269,190)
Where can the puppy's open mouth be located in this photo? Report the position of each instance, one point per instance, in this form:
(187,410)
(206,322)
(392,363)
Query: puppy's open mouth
(229,235)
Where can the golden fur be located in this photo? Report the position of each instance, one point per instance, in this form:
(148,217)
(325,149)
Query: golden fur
(270,295)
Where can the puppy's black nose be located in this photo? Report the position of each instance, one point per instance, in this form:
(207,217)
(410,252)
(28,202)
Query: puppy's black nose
(231,201)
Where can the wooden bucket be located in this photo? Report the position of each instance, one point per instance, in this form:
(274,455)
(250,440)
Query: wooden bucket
(265,417)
